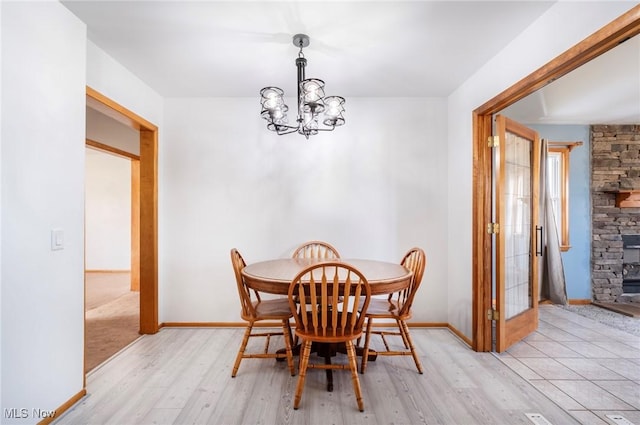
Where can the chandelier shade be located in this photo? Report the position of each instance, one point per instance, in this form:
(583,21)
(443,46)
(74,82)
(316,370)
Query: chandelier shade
(333,113)
(274,109)
(312,102)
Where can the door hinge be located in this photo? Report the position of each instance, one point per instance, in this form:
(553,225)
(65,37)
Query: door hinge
(493,141)
(493,228)
(493,314)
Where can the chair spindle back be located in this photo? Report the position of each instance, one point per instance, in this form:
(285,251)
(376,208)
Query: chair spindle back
(316,249)
(338,289)
(244,291)
(414,260)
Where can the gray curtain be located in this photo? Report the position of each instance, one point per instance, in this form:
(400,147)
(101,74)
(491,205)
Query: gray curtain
(552,281)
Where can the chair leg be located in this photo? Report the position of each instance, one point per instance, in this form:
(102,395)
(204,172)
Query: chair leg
(243,346)
(365,350)
(304,361)
(411,346)
(353,365)
(402,334)
(286,328)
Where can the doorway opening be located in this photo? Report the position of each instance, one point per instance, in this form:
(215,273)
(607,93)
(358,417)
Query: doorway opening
(112,297)
(144,189)
(622,28)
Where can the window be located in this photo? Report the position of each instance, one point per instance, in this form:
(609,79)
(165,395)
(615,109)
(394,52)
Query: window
(558,186)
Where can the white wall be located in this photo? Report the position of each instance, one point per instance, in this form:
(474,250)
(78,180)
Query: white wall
(374,188)
(109,78)
(562,26)
(43,120)
(1,55)
(46,64)
(107,212)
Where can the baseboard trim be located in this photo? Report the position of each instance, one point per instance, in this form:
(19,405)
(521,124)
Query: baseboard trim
(218,325)
(460,335)
(579,302)
(107,271)
(451,328)
(64,407)
(421,324)
(575,301)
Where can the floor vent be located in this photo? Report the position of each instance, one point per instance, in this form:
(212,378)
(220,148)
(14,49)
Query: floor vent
(538,419)
(619,420)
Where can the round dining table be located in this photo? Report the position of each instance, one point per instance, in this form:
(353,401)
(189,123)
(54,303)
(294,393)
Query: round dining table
(274,276)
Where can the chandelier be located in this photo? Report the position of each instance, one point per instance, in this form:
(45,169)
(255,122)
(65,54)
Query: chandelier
(311,102)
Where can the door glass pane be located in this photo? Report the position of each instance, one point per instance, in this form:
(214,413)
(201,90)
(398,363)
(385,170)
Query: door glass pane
(517,225)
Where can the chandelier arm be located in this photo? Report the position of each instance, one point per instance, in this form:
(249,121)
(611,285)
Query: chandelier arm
(284,126)
(285,129)
(326,129)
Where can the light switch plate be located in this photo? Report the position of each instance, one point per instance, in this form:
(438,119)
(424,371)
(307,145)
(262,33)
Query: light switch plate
(57,239)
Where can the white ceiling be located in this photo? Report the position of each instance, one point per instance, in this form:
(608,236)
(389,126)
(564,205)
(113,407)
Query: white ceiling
(359,48)
(604,91)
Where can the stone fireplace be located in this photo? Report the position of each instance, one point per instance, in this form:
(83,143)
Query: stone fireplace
(615,182)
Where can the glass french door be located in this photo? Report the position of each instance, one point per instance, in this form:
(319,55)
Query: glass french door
(517,243)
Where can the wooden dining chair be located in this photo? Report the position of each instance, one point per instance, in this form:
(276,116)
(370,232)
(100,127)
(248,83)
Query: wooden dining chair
(254,310)
(334,319)
(316,249)
(397,307)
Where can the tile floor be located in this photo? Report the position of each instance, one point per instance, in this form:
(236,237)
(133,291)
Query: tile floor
(587,368)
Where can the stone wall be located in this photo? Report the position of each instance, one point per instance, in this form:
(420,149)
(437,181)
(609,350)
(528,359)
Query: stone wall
(615,165)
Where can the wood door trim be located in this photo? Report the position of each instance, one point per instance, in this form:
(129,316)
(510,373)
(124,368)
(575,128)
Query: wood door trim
(103,104)
(481,241)
(148,204)
(609,36)
(135,225)
(110,149)
(606,38)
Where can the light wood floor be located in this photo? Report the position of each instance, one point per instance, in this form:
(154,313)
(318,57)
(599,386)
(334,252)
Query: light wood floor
(184,376)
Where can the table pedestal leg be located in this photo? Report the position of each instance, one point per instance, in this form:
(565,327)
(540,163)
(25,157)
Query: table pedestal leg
(327,360)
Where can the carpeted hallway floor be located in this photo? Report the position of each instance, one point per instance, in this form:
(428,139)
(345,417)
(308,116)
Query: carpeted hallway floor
(112,316)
